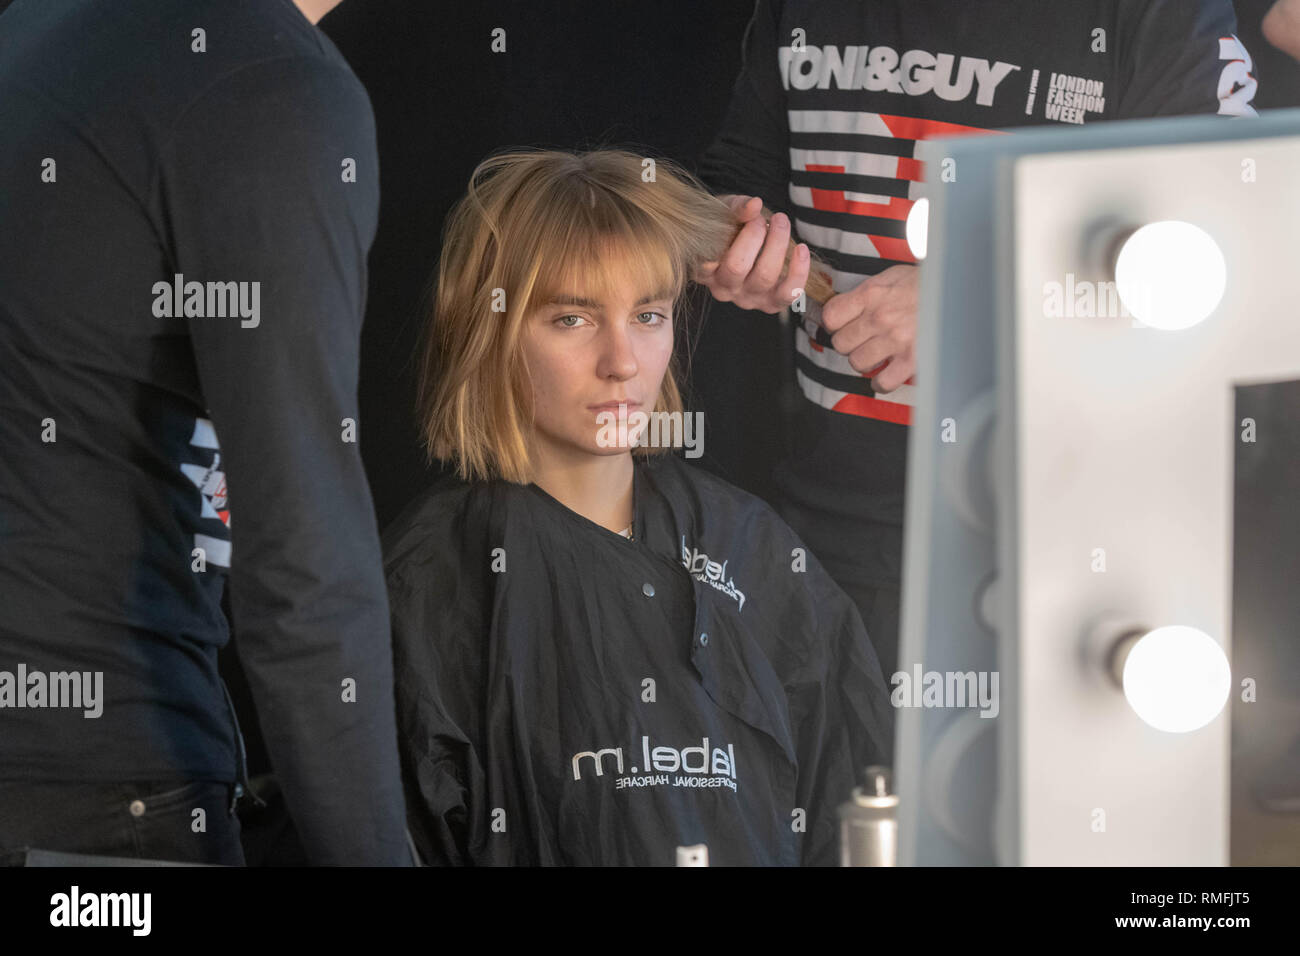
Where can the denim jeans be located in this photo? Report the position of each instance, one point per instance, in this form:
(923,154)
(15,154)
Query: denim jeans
(151,820)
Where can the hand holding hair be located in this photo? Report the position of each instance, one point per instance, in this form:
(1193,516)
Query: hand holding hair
(764,268)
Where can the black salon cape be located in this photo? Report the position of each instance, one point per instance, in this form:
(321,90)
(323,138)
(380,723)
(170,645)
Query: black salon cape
(540,659)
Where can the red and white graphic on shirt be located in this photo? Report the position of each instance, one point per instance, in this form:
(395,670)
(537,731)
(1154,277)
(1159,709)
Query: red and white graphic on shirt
(896,406)
(211,482)
(1237,85)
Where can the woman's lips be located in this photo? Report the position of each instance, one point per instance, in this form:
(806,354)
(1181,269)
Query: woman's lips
(613,406)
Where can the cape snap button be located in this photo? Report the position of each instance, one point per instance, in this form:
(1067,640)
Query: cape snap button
(137,808)
(704,640)
(648,589)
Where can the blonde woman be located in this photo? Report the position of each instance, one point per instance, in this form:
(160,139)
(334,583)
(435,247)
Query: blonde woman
(603,653)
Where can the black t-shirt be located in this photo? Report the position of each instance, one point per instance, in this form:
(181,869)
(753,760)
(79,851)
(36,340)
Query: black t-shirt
(188,192)
(823,123)
(568,696)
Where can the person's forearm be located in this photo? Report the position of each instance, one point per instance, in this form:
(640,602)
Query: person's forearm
(312,627)
(323,684)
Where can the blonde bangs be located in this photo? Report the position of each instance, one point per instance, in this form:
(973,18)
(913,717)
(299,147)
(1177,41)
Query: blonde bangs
(593,265)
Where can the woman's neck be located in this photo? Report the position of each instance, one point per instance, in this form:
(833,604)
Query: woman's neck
(598,487)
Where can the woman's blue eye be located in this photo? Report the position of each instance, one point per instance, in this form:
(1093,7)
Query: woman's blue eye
(662,318)
(564,324)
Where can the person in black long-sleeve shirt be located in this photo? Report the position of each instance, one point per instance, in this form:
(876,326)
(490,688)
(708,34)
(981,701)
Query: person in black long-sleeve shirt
(187,197)
(823,125)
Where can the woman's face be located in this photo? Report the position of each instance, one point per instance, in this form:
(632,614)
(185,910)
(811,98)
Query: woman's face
(587,356)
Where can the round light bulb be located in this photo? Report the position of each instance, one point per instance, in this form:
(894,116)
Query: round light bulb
(1176,678)
(1170,275)
(918,228)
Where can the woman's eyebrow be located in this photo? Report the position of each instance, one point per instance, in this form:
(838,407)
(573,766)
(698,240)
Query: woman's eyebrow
(573,300)
(585,303)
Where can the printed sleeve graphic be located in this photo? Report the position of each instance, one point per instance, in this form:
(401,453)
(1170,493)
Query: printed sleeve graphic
(210,480)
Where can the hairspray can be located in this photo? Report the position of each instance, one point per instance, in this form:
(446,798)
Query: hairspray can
(697,855)
(869,823)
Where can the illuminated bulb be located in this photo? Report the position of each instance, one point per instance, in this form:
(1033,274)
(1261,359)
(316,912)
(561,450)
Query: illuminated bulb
(1175,678)
(918,228)
(1170,275)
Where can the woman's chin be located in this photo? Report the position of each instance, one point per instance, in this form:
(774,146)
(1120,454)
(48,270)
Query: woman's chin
(609,451)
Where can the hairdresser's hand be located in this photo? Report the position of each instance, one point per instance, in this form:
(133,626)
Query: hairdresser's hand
(749,273)
(1281,27)
(876,323)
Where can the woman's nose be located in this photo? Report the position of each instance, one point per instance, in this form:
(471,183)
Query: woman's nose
(617,356)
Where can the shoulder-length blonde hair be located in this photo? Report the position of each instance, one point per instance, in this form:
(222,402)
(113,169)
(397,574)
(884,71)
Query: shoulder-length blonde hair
(535,224)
